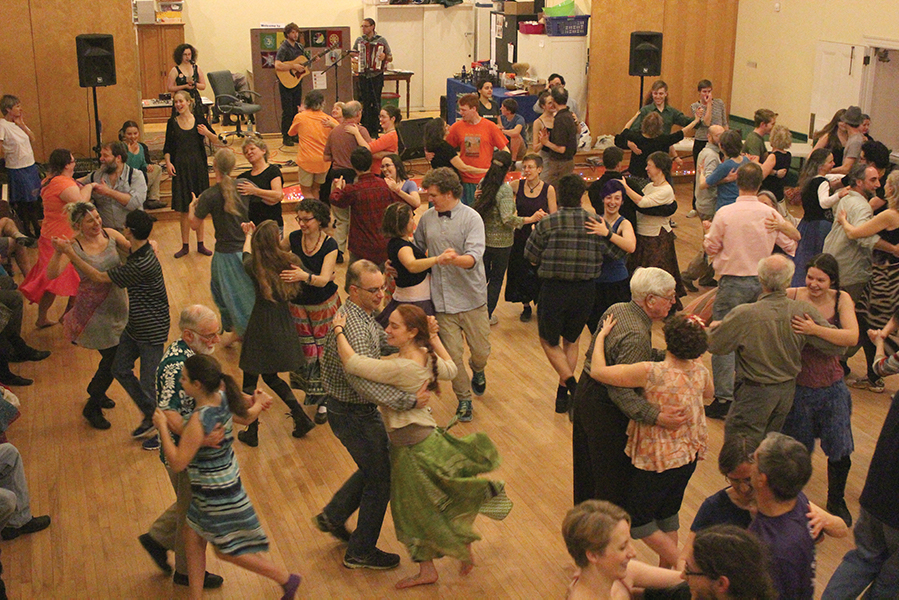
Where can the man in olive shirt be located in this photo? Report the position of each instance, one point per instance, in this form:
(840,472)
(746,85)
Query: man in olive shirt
(561,141)
(768,351)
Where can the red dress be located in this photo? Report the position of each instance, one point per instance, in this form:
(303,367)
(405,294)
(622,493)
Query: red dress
(56,224)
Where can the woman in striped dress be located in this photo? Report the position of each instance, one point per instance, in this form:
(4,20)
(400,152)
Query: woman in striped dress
(220,511)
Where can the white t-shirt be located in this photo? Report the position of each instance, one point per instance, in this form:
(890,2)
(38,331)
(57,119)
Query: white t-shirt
(16,145)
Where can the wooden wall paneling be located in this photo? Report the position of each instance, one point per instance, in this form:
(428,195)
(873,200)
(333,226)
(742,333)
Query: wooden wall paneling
(66,109)
(699,37)
(612,92)
(18,77)
(699,40)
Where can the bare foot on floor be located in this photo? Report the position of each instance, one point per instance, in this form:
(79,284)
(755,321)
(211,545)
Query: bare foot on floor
(427,574)
(467,565)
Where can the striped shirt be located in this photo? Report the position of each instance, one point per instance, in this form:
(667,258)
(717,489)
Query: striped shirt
(719,117)
(148,302)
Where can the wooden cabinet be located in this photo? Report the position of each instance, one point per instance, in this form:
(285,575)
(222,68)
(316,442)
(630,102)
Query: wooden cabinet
(156,43)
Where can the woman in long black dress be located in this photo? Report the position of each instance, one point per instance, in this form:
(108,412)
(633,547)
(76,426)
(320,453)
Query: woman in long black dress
(187,76)
(531,194)
(270,344)
(185,160)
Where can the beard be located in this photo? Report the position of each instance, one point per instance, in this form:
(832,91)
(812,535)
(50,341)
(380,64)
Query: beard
(108,168)
(202,348)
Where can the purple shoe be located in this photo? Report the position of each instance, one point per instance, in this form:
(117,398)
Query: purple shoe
(290,588)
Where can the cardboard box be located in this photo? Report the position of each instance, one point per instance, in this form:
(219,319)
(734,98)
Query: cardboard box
(534,89)
(518,8)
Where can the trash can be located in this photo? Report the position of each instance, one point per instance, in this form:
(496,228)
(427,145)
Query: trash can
(390,99)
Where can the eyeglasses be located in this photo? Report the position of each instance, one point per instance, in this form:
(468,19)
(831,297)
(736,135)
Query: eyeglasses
(373,290)
(208,337)
(304,219)
(671,299)
(747,481)
(690,573)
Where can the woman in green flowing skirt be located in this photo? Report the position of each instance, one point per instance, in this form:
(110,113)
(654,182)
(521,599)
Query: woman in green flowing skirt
(435,491)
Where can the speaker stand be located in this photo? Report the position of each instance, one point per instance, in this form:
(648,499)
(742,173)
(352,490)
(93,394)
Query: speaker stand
(639,100)
(97,125)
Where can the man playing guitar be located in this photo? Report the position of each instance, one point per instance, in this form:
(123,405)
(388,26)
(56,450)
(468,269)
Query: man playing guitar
(291,97)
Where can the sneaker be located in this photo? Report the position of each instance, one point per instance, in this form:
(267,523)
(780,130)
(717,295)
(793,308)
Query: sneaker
(321,417)
(494,320)
(562,400)
(863,383)
(692,214)
(156,551)
(34,525)
(151,444)
(324,524)
(478,383)
(377,559)
(464,411)
(672,223)
(211,581)
(717,409)
(526,314)
(146,428)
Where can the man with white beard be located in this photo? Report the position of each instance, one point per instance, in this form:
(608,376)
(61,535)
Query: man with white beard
(199,333)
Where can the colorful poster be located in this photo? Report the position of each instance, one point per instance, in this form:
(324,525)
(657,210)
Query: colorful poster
(268,41)
(319,38)
(268,59)
(335,38)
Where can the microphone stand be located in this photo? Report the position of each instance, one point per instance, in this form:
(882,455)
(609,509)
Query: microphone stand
(334,65)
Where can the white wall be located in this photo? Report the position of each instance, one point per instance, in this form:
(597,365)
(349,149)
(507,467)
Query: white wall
(220,29)
(782,47)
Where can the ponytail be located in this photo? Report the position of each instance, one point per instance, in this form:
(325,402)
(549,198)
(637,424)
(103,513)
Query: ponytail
(236,403)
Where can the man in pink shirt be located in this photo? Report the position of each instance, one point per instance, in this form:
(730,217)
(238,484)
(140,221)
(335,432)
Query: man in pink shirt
(740,235)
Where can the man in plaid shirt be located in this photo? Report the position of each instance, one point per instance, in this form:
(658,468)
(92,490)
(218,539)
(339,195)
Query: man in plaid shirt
(369,197)
(568,258)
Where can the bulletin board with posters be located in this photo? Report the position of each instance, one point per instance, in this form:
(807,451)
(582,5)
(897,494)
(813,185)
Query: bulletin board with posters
(326,45)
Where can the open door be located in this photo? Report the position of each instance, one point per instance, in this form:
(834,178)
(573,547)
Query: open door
(839,75)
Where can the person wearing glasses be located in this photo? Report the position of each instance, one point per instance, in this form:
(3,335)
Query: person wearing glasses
(317,301)
(728,563)
(199,327)
(664,459)
(740,235)
(602,470)
(355,420)
(232,289)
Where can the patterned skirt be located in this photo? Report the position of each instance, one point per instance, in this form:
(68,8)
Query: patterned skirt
(435,493)
(312,323)
(658,251)
(880,297)
(220,510)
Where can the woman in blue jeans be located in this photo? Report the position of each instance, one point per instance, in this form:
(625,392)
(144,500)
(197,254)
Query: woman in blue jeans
(496,204)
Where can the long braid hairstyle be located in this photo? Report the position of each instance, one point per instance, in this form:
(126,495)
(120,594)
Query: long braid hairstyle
(415,318)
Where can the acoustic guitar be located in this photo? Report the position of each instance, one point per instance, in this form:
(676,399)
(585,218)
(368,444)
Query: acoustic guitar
(299,68)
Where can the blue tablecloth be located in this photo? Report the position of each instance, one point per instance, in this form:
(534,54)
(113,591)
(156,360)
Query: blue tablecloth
(456,88)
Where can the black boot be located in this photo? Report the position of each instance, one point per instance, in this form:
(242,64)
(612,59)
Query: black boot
(93,412)
(302,424)
(250,435)
(837,474)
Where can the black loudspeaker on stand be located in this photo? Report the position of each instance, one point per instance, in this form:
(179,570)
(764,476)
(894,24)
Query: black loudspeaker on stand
(645,57)
(96,68)
(412,132)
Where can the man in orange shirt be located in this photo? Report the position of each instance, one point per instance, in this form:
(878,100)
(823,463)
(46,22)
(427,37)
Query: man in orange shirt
(312,127)
(476,139)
